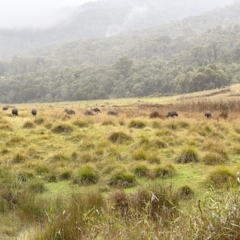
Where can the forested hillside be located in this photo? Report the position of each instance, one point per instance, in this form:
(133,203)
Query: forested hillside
(193,54)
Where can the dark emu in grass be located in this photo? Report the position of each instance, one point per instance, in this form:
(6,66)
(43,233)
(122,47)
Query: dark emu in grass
(208,114)
(14,112)
(34,112)
(172,114)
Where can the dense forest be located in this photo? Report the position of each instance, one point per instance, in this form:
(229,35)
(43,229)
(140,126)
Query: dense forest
(193,54)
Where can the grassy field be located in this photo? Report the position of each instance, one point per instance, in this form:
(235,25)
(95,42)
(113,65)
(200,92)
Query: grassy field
(122,177)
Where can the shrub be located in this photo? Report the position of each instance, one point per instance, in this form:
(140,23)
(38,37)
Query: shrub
(86,175)
(62,128)
(119,137)
(137,124)
(187,155)
(28,124)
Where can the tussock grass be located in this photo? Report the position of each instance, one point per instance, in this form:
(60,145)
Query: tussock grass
(141,170)
(86,175)
(39,120)
(119,137)
(82,123)
(28,124)
(214,158)
(62,128)
(187,155)
(108,123)
(137,124)
(221,177)
(19,158)
(164,171)
(139,155)
(122,178)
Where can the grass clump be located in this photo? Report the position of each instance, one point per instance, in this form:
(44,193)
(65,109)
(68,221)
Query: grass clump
(141,170)
(28,124)
(108,123)
(19,158)
(81,123)
(213,158)
(165,171)
(187,155)
(119,137)
(140,154)
(86,175)
(65,174)
(122,178)
(137,124)
(157,143)
(36,186)
(221,177)
(62,128)
(186,192)
(39,121)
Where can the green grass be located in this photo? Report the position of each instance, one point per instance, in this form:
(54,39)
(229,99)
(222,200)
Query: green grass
(60,158)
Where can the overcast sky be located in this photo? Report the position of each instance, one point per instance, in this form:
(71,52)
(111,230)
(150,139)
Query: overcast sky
(34,13)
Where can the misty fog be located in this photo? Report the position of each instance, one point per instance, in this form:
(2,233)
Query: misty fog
(47,13)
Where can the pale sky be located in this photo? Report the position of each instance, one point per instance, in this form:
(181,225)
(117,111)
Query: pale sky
(35,13)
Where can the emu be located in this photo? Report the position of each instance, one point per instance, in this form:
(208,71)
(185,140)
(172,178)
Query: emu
(113,112)
(154,114)
(96,110)
(69,111)
(208,114)
(88,112)
(14,112)
(5,108)
(172,114)
(34,112)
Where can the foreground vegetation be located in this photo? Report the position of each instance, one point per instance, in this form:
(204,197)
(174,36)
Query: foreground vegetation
(126,177)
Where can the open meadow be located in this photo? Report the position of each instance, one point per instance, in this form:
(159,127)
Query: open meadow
(129,176)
